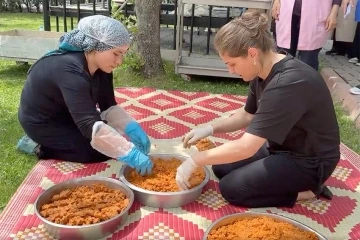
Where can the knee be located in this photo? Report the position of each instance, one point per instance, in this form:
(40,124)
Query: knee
(234,193)
(220,171)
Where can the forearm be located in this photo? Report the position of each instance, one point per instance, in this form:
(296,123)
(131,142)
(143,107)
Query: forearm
(335,9)
(238,121)
(229,152)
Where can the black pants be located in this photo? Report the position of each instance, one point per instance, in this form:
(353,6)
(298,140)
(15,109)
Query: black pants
(266,180)
(63,142)
(309,57)
(339,48)
(355,49)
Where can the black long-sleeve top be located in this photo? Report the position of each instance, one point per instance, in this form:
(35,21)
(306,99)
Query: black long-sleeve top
(60,92)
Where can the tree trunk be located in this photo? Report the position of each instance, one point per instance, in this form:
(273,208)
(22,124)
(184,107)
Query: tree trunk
(148,36)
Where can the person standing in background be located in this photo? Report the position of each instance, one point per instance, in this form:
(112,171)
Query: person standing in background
(355,50)
(304,26)
(344,33)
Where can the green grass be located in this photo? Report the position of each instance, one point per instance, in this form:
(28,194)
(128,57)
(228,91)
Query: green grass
(349,134)
(31,21)
(15,166)
(172,81)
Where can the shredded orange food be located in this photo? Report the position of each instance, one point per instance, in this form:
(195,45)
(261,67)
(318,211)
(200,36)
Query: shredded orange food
(84,205)
(204,144)
(162,178)
(260,228)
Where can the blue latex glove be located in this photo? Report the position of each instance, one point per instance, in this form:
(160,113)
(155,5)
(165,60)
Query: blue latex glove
(138,137)
(138,160)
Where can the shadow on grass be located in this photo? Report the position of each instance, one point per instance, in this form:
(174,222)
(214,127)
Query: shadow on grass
(14,71)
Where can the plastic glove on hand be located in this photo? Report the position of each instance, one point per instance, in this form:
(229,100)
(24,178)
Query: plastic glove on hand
(138,137)
(197,134)
(184,172)
(138,160)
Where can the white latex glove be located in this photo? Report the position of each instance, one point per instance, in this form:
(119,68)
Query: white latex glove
(184,172)
(197,134)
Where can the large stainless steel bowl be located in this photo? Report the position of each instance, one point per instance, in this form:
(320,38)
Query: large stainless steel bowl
(238,216)
(85,232)
(164,199)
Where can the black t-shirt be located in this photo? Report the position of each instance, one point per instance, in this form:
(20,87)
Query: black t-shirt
(294,111)
(59,92)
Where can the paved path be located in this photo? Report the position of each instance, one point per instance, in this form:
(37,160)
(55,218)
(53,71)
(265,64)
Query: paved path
(347,71)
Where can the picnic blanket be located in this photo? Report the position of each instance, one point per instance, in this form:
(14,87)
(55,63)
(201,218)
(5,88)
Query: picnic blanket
(167,116)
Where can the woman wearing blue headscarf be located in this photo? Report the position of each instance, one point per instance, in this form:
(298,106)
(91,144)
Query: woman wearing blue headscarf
(68,106)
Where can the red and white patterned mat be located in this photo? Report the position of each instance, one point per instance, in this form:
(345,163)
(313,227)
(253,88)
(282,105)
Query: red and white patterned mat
(167,116)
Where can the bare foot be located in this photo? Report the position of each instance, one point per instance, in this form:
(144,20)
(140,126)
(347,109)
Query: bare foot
(305,195)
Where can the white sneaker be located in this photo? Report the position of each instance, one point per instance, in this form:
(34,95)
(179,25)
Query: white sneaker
(353,60)
(355,90)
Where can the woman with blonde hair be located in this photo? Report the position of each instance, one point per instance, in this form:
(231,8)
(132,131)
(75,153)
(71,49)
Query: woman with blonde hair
(291,143)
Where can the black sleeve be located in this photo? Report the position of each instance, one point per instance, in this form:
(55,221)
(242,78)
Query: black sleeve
(280,108)
(76,90)
(337,2)
(251,106)
(106,92)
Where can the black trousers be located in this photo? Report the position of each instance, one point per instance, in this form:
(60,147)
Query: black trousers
(63,142)
(340,48)
(268,180)
(311,58)
(355,49)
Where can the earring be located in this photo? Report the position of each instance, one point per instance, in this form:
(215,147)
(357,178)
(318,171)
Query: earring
(254,62)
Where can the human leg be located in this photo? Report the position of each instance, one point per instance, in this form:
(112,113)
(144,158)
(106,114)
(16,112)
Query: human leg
(63,142)
(356,44)
(274,181)
(222,170)
(341,48)
(83,153)
(311,58)
(354,52)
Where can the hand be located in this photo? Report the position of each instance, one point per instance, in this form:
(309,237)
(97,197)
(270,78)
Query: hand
(138,136)
(184,172)
(331,22)
(345,3)
(275,12)
(138,160)
(196,134)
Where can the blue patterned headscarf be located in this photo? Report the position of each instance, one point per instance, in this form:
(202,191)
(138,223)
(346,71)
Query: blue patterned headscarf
(98,32)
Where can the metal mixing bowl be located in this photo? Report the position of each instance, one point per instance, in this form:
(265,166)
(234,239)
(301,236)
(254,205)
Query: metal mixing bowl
(238,216)
(164,199)
(85,232)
